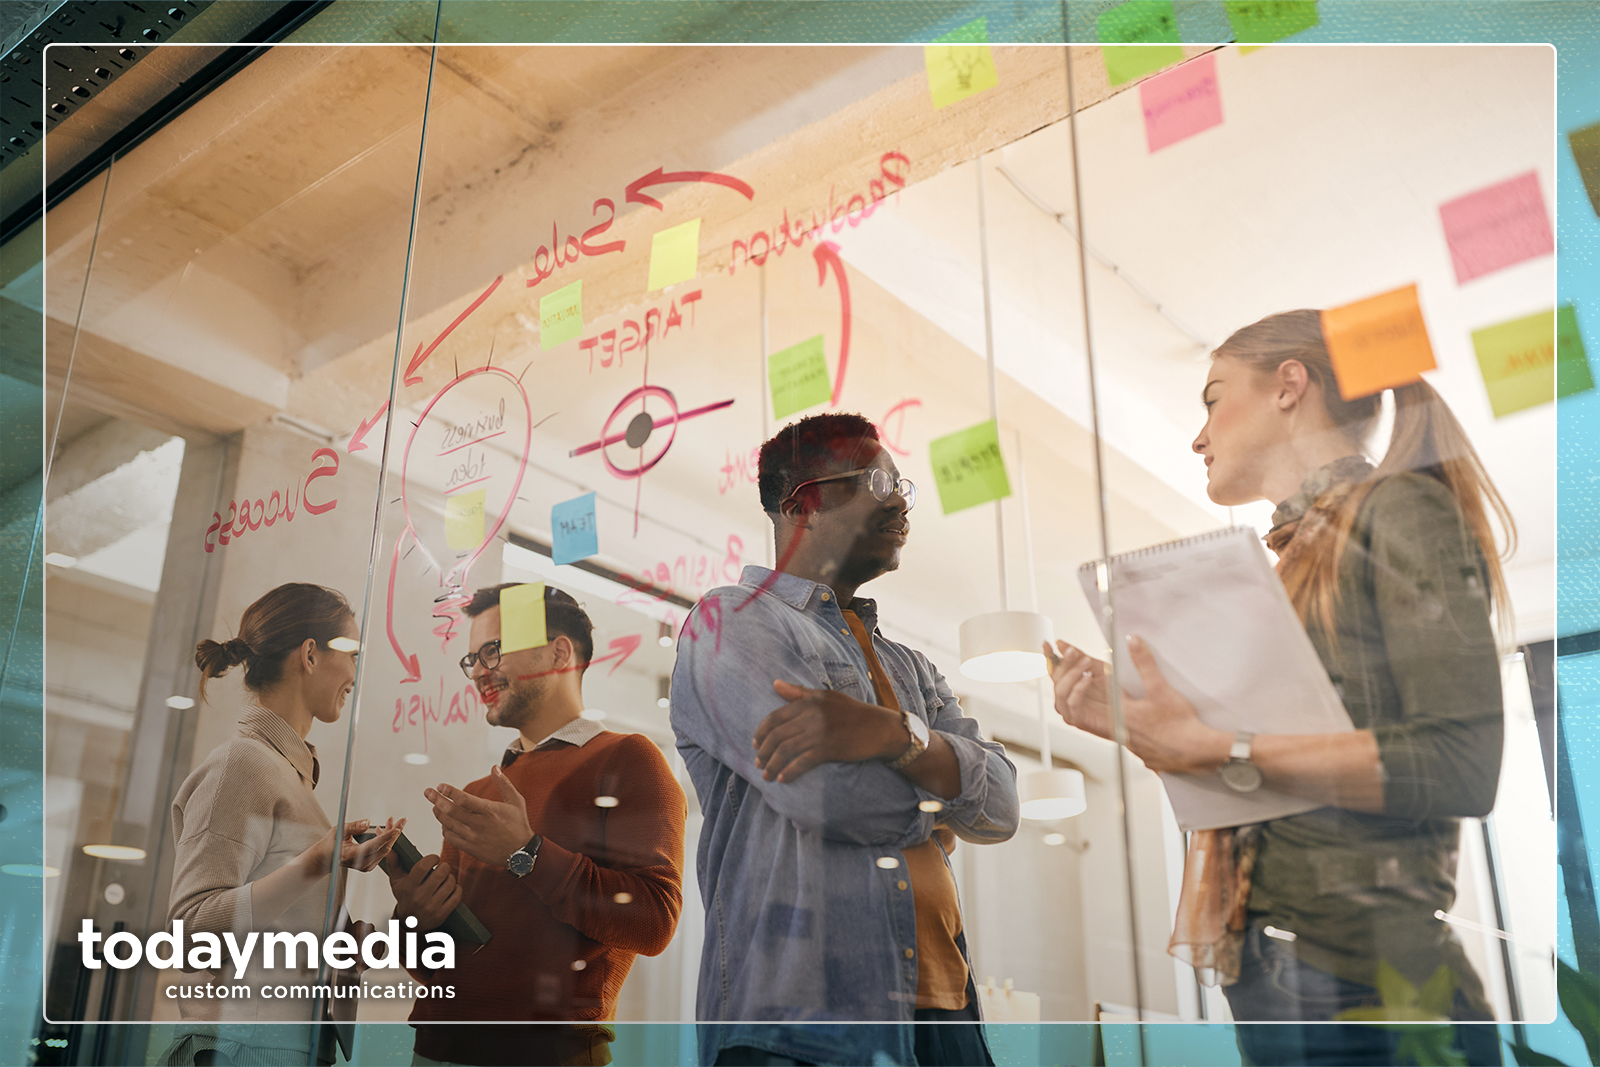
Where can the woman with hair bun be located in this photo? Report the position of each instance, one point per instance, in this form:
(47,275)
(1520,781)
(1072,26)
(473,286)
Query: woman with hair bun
(255,850)
(1393,569)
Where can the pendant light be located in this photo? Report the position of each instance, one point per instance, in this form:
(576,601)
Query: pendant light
(1001,646)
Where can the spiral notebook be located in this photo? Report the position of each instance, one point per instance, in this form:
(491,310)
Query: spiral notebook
(1223,632)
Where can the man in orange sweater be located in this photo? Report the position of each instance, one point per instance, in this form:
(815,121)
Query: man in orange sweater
(570,852)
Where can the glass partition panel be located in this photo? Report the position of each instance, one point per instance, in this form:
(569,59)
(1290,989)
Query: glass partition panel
(188,292)
(1353,797)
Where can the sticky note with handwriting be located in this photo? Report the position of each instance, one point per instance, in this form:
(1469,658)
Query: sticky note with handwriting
(1518,362)
(1585,145)
(674,255)
(1377,343)
(561,315)
(1269,20)
(522,618)
(1497,227)
(1181,102)
(960,63)
(1572,363)
(573,533)
(1138,37)
(968,468)
(798,377)
(463,520)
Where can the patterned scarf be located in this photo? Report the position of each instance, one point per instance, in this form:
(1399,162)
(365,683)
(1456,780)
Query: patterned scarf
(1208,932)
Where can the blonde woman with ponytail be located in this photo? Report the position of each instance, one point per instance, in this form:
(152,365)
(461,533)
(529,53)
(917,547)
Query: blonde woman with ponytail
(255,850)
(1395,573)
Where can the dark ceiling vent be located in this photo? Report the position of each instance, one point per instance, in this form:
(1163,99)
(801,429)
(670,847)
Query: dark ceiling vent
(71,73)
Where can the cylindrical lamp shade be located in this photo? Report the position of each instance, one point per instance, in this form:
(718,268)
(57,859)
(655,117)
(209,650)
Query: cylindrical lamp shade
(1053,794)
(1003,646)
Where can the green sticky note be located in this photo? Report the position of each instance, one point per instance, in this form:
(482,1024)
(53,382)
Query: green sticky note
(968,468)
(674,255)
(463,520)
(798,377)
(522,617)
(1572,364)
(1585,144)
(1131,35)
(1270,20)
(1518,362)
(561,315)
(960,63)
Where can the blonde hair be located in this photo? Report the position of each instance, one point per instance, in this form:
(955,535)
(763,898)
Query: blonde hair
(1425,438)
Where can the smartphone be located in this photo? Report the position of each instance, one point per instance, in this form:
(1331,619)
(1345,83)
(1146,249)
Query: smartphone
(461,923)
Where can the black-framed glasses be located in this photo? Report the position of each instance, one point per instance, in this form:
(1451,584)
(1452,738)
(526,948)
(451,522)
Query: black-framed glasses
(488,655)
(879,483)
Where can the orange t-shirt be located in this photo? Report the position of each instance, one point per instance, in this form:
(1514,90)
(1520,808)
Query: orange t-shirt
(941,969)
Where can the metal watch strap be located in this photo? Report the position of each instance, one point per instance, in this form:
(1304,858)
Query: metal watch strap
(914,749)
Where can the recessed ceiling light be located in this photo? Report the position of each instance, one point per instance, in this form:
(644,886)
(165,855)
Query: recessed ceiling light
(29,870)
(417,759)
(606,802)
(181,703)
(1055,839)
(345,644)
(114,852)
(592,715)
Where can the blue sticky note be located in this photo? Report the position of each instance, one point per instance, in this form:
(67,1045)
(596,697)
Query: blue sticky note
(573,533)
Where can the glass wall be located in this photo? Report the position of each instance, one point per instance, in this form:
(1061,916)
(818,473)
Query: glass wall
(413,322)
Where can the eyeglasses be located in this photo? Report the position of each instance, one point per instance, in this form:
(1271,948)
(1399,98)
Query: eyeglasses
(488,655)
(879,483)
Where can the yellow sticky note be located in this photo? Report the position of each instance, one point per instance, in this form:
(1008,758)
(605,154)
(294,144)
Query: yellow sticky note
(1377,343)
(561,315)
(463,520)
(960,64)
(522,617)
(674,255)
(1518,361)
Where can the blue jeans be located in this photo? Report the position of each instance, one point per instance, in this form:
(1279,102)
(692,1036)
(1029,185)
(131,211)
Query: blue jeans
(939,1044)
(1275,987)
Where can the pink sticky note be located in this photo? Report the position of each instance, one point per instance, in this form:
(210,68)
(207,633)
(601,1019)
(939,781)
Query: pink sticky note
(1181,102)
(1496,227)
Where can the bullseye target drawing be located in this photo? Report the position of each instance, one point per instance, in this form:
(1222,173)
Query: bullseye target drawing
(634,426)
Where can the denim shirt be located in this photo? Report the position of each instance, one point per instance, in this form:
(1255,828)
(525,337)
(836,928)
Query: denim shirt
(807,919)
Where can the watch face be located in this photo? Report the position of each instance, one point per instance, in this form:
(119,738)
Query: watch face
(520,863)
(1241,776)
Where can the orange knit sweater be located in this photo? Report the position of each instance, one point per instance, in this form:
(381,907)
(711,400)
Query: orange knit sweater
(607,886)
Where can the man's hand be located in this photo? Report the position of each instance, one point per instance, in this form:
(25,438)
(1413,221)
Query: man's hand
(487,830)
(428,891)
(824,726)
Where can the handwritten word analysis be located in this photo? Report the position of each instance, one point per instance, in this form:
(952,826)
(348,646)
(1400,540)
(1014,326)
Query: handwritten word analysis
(245,515)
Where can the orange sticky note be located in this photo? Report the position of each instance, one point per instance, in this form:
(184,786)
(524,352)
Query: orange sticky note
(1377,343)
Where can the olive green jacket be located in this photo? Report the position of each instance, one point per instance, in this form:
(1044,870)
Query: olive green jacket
(1415,661)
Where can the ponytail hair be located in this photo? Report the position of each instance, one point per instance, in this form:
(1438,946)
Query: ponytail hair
(1425,438)
(270,629)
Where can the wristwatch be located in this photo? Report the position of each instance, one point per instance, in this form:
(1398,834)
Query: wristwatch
(1239,774)
(521,861)
(919,741)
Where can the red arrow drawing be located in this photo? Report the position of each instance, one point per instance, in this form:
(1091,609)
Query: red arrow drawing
(827,253)
(621,649)
(417,357)
(356,443)
(658,177)
(410,663)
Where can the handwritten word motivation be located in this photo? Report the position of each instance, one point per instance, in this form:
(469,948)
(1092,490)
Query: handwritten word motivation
(634,336)
(893,168)
(245,515)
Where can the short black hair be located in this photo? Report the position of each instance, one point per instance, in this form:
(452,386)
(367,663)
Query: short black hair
(563,616)
(807,449)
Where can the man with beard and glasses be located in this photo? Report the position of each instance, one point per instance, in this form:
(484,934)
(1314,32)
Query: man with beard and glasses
(835,770)
(570,852)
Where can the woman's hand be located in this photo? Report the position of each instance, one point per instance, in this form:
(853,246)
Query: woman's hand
(359,855)
(1162,727)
